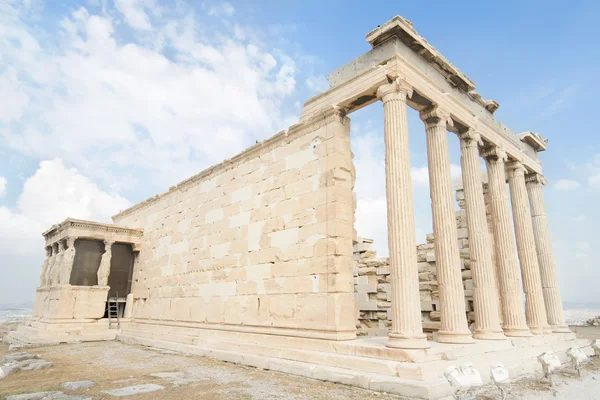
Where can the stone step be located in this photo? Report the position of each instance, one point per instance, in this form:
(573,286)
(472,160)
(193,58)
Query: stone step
(432,389)
(372,365)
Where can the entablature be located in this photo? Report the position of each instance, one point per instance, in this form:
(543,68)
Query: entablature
(80,229)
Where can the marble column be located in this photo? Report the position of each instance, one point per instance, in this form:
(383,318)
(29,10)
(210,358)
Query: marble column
(485,296)
(50,267)
(545,254)
(535,310)
(513,314)
(454,327)
(407,328)
(104,269)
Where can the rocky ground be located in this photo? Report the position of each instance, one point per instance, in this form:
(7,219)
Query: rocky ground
(104,370)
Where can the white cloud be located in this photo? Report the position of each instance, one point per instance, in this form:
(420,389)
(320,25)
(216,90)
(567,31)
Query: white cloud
(420,175)
(135,14)
(49,196)
(317,84)
(594,181)
(2,186)
(566,185)
(223,9)
(164,102)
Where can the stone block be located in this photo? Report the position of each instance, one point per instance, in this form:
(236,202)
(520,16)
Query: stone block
(367,288)
(430,257)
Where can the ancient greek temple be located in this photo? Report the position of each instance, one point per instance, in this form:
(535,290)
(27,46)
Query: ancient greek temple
(256,260)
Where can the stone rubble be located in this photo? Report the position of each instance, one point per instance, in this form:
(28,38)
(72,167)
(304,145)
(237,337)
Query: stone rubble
(14,362)
(77,385)
(46,396)
(132,390)
(594,321)
(372,281)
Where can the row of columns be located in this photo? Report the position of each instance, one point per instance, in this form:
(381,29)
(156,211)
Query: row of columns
(60,256)
(58,264)
(534,248)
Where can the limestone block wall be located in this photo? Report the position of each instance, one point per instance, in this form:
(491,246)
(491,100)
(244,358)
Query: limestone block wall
(372,281)
(261,242)
(70,302)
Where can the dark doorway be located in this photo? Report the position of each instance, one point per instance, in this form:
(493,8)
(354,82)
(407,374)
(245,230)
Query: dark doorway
(121,269)
(88,254)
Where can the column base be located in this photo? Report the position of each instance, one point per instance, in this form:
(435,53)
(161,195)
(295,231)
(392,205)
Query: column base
(454,337)
(399,341)
(517,332)
(489,335)
(560,329)
(540,330)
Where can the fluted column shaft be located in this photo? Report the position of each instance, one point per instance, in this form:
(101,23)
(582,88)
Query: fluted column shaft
(509,281)
(545,255)
(485,296)
(535,310)
(407,328)
(454,327)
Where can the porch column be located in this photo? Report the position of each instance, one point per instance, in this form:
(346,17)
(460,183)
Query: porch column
(545,255)
(45,266)
(54,273)
(485,296)
(509,281)
(64,276)
(535,311)
(454,328)
(104,269)
(407,329)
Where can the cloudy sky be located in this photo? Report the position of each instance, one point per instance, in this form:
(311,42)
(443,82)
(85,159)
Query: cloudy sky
(104,103)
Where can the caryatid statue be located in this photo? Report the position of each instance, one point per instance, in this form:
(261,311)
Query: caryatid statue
(43,278)
(104,269)
(64,274)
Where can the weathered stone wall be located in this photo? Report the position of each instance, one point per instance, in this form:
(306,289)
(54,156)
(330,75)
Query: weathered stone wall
(67,302)
(372,280)
(263,240)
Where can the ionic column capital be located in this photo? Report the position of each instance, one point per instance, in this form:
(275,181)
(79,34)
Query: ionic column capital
(494,153)
(435,116)
(516,169)
(534,177)
(398,89)
(470,138)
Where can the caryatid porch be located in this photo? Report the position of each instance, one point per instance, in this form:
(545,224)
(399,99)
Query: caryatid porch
(403,69)
(85,263)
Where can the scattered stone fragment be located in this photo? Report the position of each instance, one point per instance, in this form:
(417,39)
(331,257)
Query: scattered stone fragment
(136,389)
(18,357)
(33,396)
(46,396)
(77,385)
(168,375)
(34,366)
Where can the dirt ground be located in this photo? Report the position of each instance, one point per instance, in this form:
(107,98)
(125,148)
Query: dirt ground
(113,365)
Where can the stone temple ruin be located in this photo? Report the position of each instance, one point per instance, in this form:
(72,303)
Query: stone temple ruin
(256,261)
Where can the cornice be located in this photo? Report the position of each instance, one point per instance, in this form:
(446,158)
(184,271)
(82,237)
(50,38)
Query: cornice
(69,223)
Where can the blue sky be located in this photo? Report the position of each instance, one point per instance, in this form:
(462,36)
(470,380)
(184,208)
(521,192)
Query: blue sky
(105,103)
